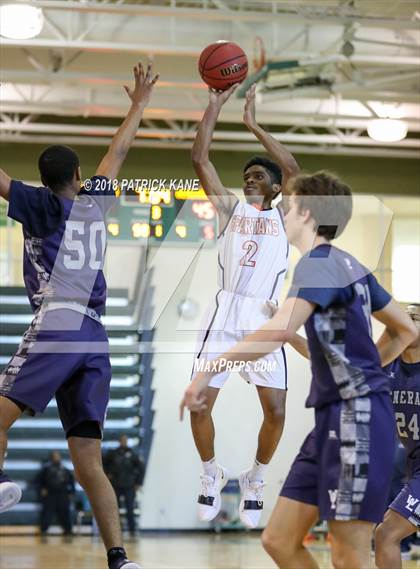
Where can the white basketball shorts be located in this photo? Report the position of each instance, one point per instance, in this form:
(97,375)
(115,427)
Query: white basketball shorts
(229,319)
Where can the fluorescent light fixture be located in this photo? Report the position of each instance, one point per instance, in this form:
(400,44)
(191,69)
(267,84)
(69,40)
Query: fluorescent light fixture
(387,130)
(20,21)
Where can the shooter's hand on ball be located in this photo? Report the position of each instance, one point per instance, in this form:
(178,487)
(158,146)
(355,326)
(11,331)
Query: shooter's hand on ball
(195,395)
(219,98)
(249,110)
(143,84)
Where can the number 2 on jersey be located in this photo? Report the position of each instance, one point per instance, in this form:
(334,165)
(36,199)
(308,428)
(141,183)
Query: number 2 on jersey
(251,248)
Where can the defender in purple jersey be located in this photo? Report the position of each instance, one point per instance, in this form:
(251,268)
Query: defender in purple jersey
(343,470)
(65,350)
(403,516)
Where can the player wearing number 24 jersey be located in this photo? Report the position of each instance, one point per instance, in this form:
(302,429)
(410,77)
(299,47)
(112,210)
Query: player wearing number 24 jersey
(65,350)
(403,516)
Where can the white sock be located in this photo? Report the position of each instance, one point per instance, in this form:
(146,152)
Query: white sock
(257,472)
(210,467)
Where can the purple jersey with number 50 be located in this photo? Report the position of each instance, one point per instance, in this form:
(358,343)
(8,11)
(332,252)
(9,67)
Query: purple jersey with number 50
(64,243)
(405,388)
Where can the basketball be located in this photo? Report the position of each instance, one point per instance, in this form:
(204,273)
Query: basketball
(222,64)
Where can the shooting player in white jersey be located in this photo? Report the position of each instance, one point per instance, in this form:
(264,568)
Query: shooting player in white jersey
(252,260)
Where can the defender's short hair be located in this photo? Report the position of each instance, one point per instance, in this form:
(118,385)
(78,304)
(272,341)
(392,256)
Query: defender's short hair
(327,198)
(57,165)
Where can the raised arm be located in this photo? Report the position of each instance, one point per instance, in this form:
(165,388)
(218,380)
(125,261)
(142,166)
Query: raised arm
(111,163)
(399,333)
(219,196)
(278,152)
(4,185)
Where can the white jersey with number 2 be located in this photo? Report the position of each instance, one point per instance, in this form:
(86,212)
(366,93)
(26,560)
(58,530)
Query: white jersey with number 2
(253,253)
(252,258)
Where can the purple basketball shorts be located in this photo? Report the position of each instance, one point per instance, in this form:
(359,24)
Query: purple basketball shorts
(345,464)
(72,364)
(407,503)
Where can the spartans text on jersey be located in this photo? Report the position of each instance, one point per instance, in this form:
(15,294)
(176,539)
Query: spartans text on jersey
(254,225)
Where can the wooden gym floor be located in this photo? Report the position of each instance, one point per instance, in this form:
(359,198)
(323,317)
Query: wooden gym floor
(152,551)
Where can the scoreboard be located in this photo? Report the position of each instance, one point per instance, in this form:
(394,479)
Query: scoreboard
(154,216)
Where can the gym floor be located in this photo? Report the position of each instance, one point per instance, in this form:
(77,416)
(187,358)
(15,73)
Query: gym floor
(153,551)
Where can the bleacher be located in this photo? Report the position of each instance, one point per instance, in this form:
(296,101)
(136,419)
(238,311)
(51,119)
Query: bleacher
(130,411)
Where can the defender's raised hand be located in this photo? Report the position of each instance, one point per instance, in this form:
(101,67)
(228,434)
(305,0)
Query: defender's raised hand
(143,84)
(140,95)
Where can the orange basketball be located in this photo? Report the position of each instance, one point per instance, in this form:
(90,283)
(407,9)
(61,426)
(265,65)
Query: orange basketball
(222,64)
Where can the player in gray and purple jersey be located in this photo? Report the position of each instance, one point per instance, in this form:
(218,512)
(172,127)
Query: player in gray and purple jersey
(343,472)
(403,516)
(65,350)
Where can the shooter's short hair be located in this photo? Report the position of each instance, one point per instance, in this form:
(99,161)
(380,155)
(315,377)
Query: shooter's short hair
(272,168)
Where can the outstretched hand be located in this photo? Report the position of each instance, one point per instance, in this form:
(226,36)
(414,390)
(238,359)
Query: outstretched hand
(195,396)
(143,84)
(249,109)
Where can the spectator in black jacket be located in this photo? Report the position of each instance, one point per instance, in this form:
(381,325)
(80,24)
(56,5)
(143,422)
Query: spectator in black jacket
(56,487)
(125,470)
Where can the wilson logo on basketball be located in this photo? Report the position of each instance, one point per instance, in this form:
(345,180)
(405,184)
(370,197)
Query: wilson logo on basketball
(222,64)
(235,68)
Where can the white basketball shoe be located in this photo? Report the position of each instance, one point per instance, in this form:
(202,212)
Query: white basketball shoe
(126,564)
(209,499)
(10,493)
(251,506)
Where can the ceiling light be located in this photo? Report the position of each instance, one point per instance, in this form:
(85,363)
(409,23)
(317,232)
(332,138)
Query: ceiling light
(387,130)
(20,21)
